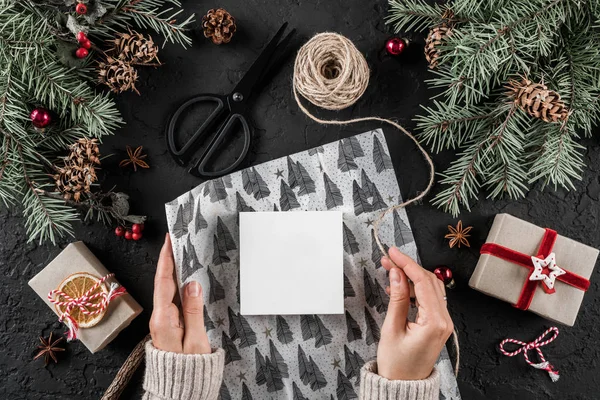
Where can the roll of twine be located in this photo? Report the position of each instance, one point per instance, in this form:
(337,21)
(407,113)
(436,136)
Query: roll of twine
(331,73)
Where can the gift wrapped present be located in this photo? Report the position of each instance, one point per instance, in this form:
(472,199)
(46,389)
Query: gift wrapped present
(534,268)
(85,296)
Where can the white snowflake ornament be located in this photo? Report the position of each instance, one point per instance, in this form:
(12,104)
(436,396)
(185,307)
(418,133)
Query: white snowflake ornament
(546,270)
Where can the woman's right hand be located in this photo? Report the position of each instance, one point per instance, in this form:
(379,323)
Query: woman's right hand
(409,350)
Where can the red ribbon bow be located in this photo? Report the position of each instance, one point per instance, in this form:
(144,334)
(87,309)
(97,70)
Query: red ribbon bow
(526,261)
(535,345)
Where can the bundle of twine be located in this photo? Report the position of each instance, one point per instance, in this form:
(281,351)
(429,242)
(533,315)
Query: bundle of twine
(331,73)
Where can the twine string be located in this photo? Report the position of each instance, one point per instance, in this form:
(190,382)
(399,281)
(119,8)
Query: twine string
(331,73)
(535,345)
(84,303)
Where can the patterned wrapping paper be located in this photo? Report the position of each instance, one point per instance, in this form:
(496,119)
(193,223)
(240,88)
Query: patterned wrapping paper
(293,356)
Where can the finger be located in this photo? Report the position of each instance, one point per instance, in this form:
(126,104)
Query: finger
(425,286)
(387,264)
(397,312)
(195,340)
(164,282)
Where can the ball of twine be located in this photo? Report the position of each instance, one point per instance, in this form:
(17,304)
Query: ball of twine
(330,72)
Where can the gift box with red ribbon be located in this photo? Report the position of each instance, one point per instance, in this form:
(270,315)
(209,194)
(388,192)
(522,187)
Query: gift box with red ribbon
(534,269)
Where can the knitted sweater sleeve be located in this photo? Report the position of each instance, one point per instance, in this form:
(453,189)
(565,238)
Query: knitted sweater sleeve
(174,376)
(375,387)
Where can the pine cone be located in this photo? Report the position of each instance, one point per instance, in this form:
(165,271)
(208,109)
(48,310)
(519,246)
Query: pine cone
(218,25)
(78,174)
(538,101)
(118,75)
(75,180)
(133,47)
(435,37)
(84,151)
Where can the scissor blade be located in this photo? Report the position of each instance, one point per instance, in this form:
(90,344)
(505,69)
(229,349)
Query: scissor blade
(253,75)
(277,60)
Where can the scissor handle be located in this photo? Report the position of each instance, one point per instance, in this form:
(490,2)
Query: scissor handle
(227,129)
(183,155)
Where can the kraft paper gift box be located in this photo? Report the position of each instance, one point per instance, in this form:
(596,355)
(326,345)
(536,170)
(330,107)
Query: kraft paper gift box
(507,271)
(76,257)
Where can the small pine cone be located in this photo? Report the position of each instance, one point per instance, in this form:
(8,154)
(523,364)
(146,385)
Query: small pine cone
(75,180)
(133,47)
(218,25)
(118,75)
(435,37)
(84,151)
(538,101)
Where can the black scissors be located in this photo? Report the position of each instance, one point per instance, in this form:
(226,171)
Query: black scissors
(230,110)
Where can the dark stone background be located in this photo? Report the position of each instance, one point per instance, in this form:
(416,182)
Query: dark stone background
(396,90)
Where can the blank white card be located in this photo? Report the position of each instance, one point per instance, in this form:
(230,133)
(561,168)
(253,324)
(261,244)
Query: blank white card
(291,263)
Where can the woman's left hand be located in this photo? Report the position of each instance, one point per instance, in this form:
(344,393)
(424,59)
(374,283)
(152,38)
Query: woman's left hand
(168,330)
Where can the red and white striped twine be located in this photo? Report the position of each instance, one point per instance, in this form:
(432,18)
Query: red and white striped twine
(84,303)
(536,344)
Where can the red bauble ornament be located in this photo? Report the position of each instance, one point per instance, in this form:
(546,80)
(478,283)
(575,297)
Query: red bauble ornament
(40,117)
(395,46)
(444,274)
(81,37)
(128,235)
(136,236)
(81,52)
(137,228)
(86,44)
(119,231)
(81,9)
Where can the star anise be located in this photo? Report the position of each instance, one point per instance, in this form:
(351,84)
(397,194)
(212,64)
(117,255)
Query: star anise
(48,349)
(136,158)
(458,235)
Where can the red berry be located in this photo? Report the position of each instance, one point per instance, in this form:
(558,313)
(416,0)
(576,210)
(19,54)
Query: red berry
(128,235)
(395,46)
(81,37)
(136,235)
(119,231)
(86,44)
(81,53)
(81,9)
(137,228)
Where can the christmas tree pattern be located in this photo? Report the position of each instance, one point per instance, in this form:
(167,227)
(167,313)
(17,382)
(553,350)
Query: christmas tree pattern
(231,352)
(361,204)
(296,393)
(374,293)
(299,176)
(353,330)
(353,363)
(344,390)
(316,150)
(217,188)
(310,374)
(287,199)
(350,243)
(242,206)
(381,159)
(376,253)
(208,323)
(216,291)
(199,220)
(239,328)
(372,334)
(312,327)
(284,334)
(254,184)
(402,233)
(180,227)
(333,195)
(224,392)
(246,395)
(348,289)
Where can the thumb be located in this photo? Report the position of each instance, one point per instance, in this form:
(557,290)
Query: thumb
(397,313)
(195,340)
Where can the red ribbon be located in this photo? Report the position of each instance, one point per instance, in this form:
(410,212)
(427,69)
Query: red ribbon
(524,260)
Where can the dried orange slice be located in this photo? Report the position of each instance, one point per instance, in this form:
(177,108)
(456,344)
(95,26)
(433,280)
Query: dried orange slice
(76,285)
